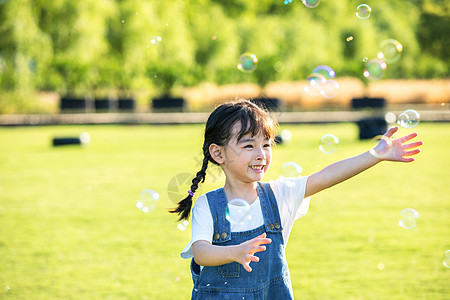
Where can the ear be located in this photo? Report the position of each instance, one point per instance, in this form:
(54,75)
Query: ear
(216,152)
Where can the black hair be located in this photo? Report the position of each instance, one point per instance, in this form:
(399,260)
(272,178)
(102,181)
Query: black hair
(218,130)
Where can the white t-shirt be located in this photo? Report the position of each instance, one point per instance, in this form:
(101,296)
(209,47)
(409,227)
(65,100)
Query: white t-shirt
(289,193)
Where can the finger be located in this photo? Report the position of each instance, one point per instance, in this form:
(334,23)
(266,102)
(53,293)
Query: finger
(407,159)
(254,258)
(259,249)
(407,137)
(412,145)
(391,132)
(412,152)
(264,241)
(247,267)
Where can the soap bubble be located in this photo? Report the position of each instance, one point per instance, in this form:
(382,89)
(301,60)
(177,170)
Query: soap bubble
(390,117)
(156,40)
(287,2)
(149,200)
(286,136)
(291,169)
(390,51)
(182,226)
(408,220)
(328,143)
(85,138)
(247,62)
(386,150)
(238,212)
(408,119)
(363,11)
(324,70)
(310,3)
(446,259)
(365,59)
(314,83)
(374,69)
(329,89)
(350,38)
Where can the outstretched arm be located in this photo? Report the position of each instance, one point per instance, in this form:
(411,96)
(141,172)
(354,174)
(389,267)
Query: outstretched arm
(387,149)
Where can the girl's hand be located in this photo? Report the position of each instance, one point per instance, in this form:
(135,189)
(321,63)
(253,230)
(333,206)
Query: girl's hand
(244,252)
(396,149)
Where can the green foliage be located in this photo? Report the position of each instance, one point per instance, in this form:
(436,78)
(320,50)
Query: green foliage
(81,47)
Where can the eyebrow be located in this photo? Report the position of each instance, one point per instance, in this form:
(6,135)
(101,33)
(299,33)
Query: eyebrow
(247,140)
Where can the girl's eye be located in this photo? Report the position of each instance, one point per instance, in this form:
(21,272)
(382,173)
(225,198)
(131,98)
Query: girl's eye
(248,146)
(267,145)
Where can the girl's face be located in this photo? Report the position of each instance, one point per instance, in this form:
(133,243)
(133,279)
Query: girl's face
(248,159)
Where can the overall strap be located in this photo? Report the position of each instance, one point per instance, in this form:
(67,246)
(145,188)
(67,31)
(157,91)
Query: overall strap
(218,206)
(269,208)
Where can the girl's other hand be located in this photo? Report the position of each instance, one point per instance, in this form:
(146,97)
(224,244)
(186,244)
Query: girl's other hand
(396,149)
(244,252)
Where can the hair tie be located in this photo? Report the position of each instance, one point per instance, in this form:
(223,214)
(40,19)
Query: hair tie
(191,193)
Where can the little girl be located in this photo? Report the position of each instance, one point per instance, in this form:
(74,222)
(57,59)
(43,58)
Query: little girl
(246,260)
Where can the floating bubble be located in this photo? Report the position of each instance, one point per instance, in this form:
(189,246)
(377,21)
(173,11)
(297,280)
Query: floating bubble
(365,59)
(85,138)
(314,83)
(446,259)
(123,21)
(149,200)
(247,62)
(390,117)
(380,266)
(291,169)
(408,119)
(350,38)
(329,89)
(324,70)
(238,211)
(408,220)
(279,66)
(286,2)
(179,185)
(182,226)
(385,146)
(310,3)
(156,40)
(286,136)
(363,11)
(328,143)
(374,69)
(390,51)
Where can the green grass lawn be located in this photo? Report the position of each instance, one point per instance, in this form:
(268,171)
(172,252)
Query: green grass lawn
(70,229)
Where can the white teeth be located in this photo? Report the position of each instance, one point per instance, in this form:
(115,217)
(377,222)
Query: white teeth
(257,167)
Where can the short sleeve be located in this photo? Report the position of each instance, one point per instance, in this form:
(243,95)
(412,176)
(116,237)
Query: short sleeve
(292,204)
(201,224)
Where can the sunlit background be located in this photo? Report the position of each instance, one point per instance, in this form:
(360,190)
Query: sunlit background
(83,207)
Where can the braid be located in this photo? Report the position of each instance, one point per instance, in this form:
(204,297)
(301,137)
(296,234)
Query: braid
(185,205)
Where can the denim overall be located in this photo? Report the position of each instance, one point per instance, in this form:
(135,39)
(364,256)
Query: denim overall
(269,278)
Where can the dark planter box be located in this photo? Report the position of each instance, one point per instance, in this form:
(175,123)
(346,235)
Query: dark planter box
(366,102)
(371,127)
(103,105)
(166,103)
(74,105)
(271,104)
(126,104)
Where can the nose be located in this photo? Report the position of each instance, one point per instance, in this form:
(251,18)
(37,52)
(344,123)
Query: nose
(260,154)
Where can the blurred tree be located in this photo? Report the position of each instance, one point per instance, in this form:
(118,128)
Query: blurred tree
(25,51)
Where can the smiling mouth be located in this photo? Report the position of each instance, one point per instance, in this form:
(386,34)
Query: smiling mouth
(258,168)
